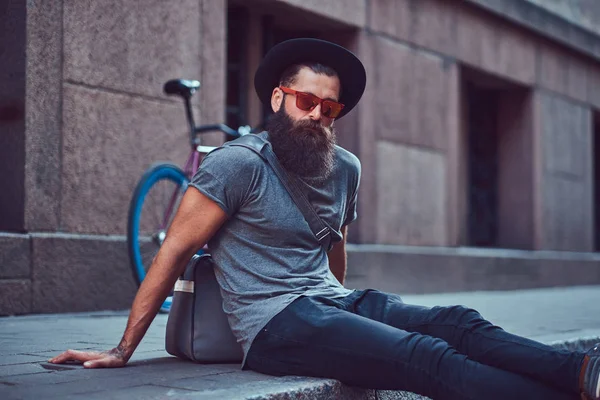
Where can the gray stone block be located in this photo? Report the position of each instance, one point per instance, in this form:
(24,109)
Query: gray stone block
(137,392)
(74,273)
(15,296)
(287,387)
(109,140)
(131,48)
(415,270)
(15,257)
(228,380)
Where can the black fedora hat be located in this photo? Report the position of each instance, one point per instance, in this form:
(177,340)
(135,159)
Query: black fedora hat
(350,70)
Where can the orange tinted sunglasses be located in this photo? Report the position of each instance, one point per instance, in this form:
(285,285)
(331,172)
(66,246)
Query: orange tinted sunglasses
(308,102)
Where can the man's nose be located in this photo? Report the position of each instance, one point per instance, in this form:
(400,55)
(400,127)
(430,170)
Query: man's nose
(315,114)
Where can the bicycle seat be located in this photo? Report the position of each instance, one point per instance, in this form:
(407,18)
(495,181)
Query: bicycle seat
(181,87)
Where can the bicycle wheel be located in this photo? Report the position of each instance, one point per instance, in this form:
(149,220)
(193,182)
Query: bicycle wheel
(153,206)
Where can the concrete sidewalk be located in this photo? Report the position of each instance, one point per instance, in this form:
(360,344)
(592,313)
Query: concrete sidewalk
(562,316)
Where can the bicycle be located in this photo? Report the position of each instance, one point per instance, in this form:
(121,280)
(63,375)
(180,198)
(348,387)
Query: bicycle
(167,183)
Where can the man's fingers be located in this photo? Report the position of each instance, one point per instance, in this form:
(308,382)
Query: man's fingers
(75,355)
(90,359)
(106,362)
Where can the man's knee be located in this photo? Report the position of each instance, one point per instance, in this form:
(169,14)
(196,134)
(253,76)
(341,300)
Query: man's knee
(465,316)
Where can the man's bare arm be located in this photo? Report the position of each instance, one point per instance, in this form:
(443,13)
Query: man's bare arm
(196,221)
(337,258)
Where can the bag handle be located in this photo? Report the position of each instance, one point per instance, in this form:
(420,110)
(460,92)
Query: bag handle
(262,147)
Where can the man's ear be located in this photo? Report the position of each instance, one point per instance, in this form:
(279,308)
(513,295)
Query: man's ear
(276,99)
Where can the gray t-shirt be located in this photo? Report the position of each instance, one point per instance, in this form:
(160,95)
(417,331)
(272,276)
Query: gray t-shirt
(266,256)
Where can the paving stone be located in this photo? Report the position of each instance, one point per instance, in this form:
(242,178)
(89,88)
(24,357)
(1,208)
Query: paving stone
(20,359)
(36,349)
(28,385)
(159,372)
(21,369)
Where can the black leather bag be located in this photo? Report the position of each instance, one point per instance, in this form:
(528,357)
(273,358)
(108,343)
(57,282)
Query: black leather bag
(197,327)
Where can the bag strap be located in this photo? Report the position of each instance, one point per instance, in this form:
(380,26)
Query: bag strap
(262,147)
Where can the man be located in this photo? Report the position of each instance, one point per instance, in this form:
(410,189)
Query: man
(283,292)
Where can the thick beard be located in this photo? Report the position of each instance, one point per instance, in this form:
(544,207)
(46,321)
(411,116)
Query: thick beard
(304,148)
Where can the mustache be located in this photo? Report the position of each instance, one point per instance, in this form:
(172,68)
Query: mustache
(312,127)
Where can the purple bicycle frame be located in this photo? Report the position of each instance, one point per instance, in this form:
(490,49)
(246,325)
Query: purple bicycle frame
(191,165)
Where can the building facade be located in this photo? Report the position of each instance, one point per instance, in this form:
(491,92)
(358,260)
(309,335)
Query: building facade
(478,134)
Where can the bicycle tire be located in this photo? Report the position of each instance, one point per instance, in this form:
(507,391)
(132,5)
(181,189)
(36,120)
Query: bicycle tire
(157,173)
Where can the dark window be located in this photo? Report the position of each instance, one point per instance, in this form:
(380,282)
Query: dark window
(237,79)
(482,167)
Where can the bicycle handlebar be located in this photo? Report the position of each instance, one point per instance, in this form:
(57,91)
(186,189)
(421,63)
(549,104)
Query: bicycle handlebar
(185,89)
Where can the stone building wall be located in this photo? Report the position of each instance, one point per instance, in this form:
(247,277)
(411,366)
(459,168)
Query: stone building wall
(83,114)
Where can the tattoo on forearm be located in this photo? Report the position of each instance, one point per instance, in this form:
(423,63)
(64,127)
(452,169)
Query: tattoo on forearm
(121,350)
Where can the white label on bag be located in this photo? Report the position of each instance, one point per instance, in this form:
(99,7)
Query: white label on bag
(184,286)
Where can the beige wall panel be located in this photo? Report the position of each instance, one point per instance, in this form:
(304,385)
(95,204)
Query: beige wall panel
(109,140)
(352,12)
(427,23)
(578,76)
(566,137)
(367,152)
(411,101)
(411,197)
(131,46)
(566,175)
(496,46)
(568,222)
(563,71)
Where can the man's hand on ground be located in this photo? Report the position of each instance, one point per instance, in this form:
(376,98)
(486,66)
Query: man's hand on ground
(92,359)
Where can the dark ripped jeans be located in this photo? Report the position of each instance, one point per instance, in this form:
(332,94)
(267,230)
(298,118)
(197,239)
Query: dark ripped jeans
(373,340)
